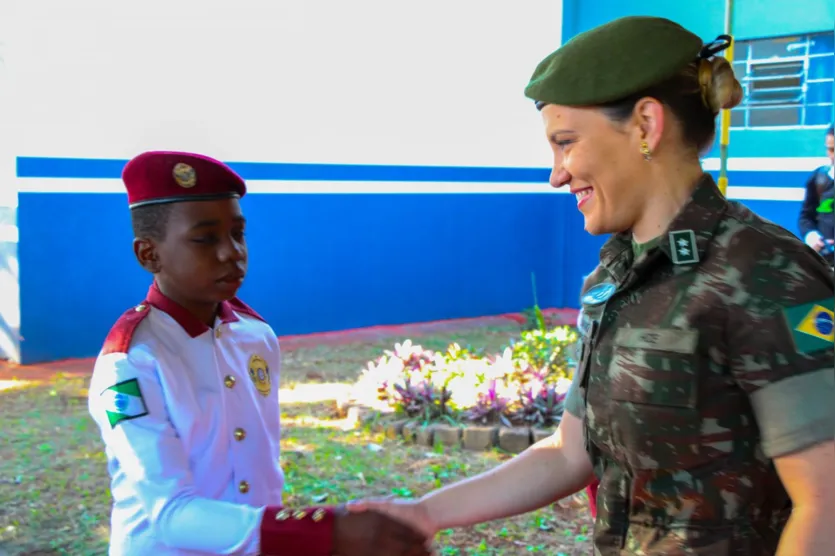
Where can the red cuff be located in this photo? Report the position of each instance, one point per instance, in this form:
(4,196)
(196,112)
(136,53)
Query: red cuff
(299,532)
(591,490)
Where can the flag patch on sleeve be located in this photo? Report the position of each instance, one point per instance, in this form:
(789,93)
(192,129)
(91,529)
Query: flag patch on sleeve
(123,402)
(812,325)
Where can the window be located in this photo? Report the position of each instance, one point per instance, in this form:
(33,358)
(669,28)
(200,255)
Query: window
(788,81)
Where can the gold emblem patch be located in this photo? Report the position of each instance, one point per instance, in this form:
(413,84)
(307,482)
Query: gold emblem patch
(184,175)
(259,372)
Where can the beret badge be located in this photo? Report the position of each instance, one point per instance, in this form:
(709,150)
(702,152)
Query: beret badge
(184,175)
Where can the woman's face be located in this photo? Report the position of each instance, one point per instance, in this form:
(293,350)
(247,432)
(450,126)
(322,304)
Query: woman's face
(600,162)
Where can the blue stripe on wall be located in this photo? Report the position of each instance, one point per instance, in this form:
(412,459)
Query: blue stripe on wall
(92,168)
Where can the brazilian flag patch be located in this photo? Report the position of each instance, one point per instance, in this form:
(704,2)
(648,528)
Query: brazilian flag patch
(812,325)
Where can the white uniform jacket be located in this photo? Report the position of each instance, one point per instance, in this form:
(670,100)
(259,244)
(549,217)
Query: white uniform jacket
(189,416)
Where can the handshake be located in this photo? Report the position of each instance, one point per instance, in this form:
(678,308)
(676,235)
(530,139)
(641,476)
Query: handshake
(383,527)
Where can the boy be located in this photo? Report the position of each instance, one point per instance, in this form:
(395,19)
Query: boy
(184,390)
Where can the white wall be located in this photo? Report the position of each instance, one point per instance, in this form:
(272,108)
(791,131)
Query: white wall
(9,276)
(361,81)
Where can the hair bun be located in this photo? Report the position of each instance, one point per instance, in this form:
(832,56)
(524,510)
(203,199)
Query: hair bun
(719,86)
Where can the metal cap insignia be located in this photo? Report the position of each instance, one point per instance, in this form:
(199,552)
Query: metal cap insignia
(184,175)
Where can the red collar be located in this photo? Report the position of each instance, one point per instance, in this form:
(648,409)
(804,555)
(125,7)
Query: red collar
(191,324)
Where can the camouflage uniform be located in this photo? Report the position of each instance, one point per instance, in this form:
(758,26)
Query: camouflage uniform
(703,358)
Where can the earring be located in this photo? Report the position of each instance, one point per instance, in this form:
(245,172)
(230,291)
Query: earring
(645,151)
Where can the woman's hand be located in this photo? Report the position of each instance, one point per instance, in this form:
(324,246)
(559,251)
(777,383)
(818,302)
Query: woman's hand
(408,511)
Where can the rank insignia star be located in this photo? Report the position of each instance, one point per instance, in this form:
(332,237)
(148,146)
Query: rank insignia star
(683,248)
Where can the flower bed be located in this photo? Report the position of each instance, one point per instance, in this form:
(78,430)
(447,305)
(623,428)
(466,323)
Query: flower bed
(462,397)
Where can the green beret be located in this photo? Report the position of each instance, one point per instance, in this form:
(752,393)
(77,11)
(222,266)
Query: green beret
(613,61)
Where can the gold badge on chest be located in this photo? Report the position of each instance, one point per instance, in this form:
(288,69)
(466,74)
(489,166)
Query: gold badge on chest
(259,372)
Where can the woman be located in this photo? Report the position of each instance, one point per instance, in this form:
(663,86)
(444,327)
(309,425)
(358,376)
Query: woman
(817,224)
(703,398)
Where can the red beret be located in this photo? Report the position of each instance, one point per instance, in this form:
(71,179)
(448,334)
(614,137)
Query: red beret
(168,177)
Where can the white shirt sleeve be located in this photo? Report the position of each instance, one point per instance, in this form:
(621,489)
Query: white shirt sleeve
(275,381)
(150,464)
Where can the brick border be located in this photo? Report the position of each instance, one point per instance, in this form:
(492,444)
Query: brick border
(474,437)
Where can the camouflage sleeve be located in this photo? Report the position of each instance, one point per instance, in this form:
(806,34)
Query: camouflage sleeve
(781,342)
(574,402)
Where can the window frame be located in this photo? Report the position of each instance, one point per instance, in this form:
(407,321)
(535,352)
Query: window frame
(746,63)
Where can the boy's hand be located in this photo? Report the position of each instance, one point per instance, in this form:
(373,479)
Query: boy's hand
(371,533)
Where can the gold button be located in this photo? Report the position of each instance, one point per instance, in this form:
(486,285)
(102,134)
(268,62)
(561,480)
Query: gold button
(229,381)
(282,515)
(240,434)
(217,332)
(141,307)
(319,515)
(300,514)
(243,487)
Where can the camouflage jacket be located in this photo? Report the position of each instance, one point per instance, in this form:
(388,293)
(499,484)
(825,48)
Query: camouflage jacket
(702,360)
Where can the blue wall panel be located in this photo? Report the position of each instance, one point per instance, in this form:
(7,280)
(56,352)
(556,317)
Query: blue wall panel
(753,19)
(705,18)
(773,143)
(318,262)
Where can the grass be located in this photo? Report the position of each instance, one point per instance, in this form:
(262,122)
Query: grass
(54,495)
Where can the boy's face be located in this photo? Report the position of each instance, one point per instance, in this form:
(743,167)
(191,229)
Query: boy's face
(203,257)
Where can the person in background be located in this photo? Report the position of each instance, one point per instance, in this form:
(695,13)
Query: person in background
(185,390)
(703,399)
(817,221)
